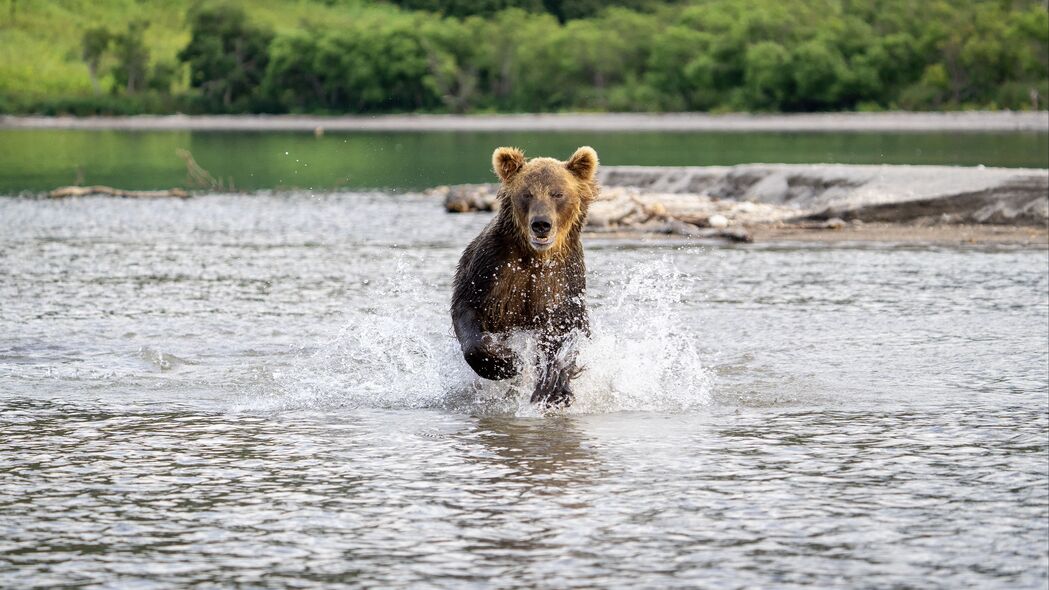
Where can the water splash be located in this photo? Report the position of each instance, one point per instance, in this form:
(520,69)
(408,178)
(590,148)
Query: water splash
(643,354)
(399,352)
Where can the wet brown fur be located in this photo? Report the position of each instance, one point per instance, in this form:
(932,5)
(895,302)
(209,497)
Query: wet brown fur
(504,284)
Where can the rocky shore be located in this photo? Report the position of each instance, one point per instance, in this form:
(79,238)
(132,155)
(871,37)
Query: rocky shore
(780,201)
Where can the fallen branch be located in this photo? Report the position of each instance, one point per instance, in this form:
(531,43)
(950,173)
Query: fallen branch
(198,176)
(84,191)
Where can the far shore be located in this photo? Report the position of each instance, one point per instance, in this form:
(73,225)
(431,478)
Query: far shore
(970,121)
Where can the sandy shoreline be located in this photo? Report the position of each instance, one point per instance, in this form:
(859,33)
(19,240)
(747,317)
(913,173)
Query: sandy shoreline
(985,121)
(895,233)
(888,234)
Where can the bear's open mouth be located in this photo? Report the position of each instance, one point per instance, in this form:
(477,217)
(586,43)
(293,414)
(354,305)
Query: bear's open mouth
(542,243)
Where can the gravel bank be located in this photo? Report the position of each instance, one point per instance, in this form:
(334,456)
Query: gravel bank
(951,194)
(753,194)
(938,204)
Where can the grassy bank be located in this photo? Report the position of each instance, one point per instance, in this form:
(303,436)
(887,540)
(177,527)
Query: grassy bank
(43,70)
(352,56)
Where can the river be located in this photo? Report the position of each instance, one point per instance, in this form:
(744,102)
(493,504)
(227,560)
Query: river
(265,391)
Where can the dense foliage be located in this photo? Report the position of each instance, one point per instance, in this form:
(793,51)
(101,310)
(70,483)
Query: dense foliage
(548,55)
(562,9)
(227,56)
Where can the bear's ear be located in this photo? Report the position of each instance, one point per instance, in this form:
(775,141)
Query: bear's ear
(507,162)
(583,163)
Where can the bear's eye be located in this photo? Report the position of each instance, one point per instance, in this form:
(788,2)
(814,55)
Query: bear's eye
(557,195)
(526,196)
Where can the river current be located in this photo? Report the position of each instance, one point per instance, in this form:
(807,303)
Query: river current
(264,391)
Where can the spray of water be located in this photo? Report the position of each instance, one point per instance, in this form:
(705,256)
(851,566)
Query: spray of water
(643,353)
(399,352)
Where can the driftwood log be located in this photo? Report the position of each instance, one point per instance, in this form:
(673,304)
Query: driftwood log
(628,210)
(84,191)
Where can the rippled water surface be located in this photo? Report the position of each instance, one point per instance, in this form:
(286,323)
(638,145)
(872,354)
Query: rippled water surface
(43,159)
(265,392)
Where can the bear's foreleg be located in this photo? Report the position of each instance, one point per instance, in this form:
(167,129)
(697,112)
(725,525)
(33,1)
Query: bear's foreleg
(557,368)
(490,359)
(482,351)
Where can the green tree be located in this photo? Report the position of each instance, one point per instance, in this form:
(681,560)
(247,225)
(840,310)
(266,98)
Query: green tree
(767,76)
(94,44)
(163,75)
(456,61)
(820,75)
(464,8)
(681,69)
(291,80)
(227,55)
(132,57)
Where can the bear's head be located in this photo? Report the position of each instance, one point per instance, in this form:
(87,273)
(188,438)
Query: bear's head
(547,198)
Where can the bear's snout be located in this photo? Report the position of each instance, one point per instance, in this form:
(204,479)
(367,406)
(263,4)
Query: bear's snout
(541,227)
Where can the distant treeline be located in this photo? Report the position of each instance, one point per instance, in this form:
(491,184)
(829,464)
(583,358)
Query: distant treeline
(539,55)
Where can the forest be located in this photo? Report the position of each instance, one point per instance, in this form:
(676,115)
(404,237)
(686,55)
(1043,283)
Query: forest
(455,56)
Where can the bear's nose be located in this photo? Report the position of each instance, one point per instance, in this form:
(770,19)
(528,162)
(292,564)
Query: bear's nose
(541,227)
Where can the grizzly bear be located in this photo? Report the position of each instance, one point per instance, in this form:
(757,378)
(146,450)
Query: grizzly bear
(525,271)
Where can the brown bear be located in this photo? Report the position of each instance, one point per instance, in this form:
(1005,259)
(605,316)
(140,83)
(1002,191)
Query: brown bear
(525,271)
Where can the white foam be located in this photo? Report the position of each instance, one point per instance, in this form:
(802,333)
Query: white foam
(399,352)
(643,353)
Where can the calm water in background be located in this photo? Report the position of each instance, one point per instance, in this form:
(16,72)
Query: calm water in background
(40,160)
(265,392)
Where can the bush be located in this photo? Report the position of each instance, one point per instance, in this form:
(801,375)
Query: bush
(144,103)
